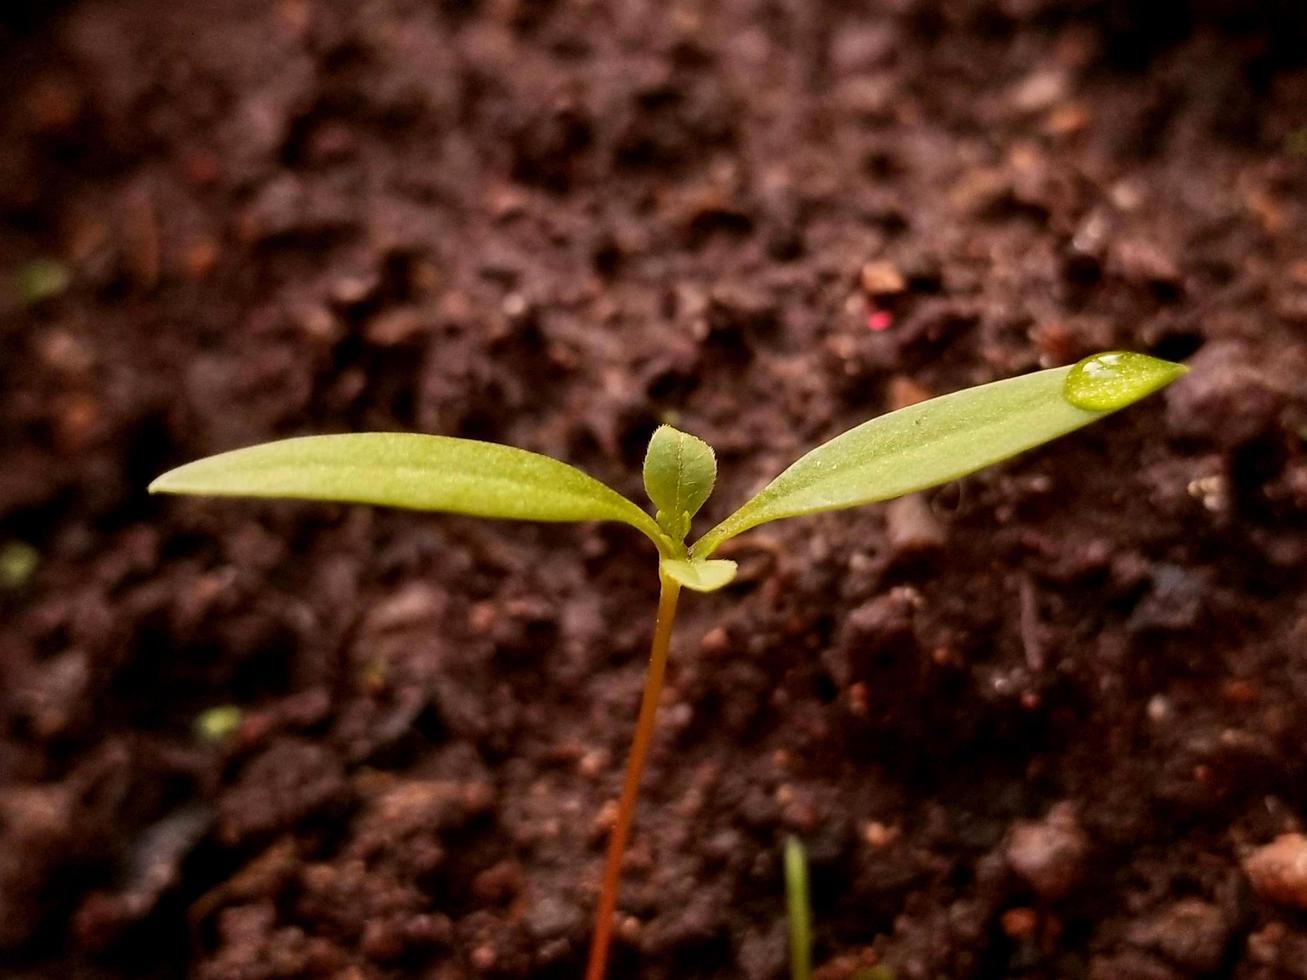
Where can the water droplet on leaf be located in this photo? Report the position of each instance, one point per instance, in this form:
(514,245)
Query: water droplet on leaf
(1106,382)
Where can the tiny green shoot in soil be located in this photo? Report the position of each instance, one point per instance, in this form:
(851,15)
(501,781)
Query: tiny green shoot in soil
(908,450)
(219,723)
(799,909)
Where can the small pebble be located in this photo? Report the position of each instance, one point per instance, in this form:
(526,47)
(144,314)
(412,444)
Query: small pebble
(1040,90)
(1190,933)
(1049,854)
(1020,923)
(629,929)
(882,279)
(878,835)
(912,526)
(1278,871)
(715,641)
(593,763)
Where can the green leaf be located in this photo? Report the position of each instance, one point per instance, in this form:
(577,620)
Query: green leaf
(418,472)
(679,473)
(701,576)
(926,444)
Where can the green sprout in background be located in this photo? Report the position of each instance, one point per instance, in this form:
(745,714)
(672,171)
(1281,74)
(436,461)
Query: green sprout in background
(41,279)
(798,905)
(911,449)
(219,723)
(18,563)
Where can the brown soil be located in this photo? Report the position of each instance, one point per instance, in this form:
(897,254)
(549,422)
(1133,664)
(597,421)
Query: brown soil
(1033,726)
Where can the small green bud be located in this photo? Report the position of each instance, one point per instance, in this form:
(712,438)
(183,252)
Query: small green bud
(679,473)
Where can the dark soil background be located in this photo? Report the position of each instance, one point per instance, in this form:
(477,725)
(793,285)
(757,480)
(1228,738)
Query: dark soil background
(1045,723)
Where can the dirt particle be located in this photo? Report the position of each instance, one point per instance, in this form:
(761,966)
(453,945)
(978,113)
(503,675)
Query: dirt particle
(37,836)
(882,278)
(1049,854)
(594,763)
(395,327)
(604,819)
(1229,398)
(1190,933)
(1040,90)
(1240,691)
(286,783)
(913,527)
(382,940)
(1020,923)
(1131,966)
(550,916)
(629,929)
(880,835)
(1278,871)
(715,642)
(498,884)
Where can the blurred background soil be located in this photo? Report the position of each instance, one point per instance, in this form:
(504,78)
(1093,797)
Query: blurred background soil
(1044,723)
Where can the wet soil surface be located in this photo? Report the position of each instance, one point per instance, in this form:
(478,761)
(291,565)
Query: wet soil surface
(1045,723)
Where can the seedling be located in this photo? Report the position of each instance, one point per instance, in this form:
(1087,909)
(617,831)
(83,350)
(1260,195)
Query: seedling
(905,451)
(799,908)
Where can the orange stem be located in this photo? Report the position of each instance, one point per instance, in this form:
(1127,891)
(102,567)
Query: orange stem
(653,687)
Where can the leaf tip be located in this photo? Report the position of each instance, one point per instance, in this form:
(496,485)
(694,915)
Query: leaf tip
(1114,379)
(173,481)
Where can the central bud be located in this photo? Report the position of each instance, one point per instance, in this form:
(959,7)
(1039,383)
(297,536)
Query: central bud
(679,473)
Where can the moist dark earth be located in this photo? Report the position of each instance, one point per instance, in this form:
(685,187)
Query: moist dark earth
(1047,722)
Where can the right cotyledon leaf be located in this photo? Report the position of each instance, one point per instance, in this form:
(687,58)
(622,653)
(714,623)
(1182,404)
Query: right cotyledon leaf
(944,438)
(417,472)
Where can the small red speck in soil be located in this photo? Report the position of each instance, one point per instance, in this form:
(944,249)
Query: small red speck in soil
(878,320)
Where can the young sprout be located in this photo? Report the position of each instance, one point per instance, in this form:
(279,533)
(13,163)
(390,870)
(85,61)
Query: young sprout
(800,909)
(911,449)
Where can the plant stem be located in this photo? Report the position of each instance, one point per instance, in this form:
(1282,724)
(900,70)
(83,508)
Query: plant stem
(653,688)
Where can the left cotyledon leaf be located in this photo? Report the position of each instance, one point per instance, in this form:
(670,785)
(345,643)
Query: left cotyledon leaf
(416,472)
